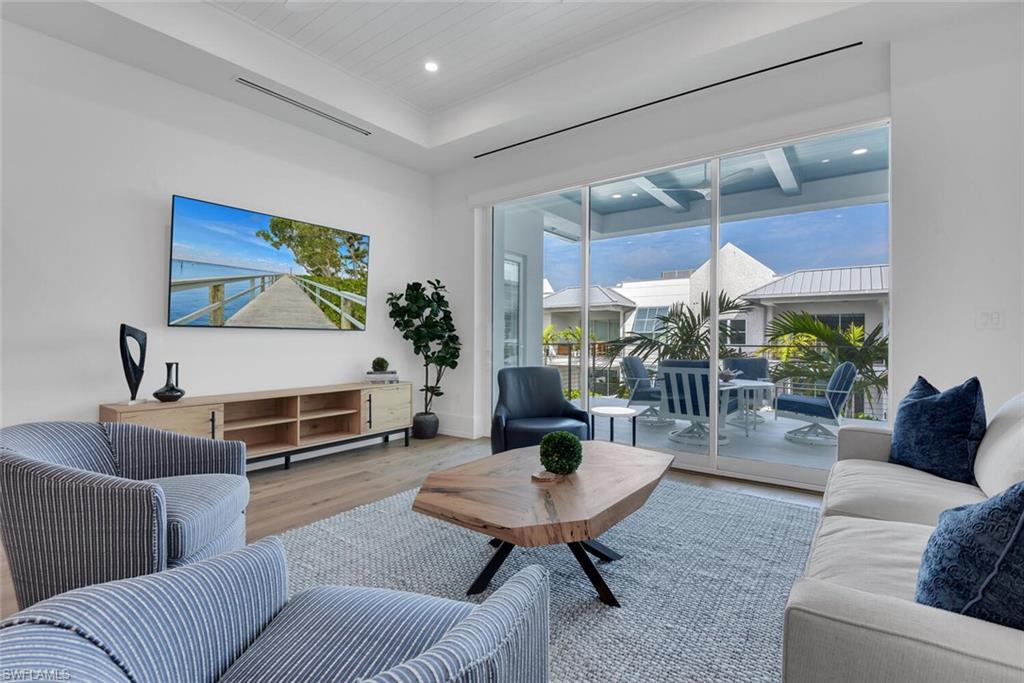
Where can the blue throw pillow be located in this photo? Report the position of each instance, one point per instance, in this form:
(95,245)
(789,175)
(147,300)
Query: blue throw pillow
(939,432)
(974,561)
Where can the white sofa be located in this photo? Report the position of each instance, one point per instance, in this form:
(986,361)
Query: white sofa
(852,616)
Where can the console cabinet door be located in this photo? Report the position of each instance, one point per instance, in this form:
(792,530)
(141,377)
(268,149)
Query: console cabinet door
(387,407)
(206,421)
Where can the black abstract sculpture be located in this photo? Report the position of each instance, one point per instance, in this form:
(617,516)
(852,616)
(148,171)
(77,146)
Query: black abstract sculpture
(132,369)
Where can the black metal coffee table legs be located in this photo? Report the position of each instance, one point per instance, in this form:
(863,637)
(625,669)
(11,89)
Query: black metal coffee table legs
(600,551)
(579,550)
(491,568)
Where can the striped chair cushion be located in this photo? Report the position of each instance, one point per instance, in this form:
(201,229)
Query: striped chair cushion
(335,633)
(81,445)
(504,640)
(231,538)
(199,508)
(146,453)
(39,652)
(185,624)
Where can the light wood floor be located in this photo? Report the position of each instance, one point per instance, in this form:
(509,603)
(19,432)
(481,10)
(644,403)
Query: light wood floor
(314,489)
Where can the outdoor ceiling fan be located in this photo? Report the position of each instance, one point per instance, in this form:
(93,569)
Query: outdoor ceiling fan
(694,193)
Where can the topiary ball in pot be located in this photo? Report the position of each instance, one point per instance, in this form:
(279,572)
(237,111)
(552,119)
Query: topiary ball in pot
(379,364)
(561,452)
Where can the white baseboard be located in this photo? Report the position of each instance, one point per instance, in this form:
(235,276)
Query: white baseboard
(453,424)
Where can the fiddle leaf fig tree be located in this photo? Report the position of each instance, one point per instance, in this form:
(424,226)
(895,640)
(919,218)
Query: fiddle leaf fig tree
(421,313)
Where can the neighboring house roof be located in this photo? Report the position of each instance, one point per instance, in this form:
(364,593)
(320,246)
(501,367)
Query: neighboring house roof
(600,297)
(825,282)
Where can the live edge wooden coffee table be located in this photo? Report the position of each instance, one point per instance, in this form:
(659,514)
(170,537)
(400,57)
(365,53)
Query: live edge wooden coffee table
(497,497)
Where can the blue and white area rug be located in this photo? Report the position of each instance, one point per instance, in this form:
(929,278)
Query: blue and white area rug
(703,581)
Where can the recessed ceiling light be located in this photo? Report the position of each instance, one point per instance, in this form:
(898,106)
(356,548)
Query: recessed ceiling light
(634,195)
(616,196)
(431,66)
(825,161)
(860,150)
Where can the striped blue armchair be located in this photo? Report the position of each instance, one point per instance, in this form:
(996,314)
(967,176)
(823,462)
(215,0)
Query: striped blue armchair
(85,503)
(228,619)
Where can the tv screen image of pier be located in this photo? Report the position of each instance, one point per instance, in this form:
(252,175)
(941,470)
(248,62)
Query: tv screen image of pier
(236,268)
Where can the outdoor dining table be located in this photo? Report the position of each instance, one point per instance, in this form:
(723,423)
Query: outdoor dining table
(747,389)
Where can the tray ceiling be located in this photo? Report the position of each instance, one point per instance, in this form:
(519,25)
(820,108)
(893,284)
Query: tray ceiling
(479,46)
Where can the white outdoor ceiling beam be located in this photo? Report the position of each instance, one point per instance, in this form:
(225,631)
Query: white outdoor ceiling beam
(783,171)
(561,226)
(650,188)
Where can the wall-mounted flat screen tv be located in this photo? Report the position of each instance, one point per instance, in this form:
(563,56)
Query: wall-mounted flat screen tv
(236,268)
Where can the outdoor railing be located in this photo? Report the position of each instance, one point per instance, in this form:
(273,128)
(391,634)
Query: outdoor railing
(345,299)
(606,377)
(217,300)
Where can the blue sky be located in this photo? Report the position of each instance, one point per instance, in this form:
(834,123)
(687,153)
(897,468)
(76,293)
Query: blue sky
(855,235)
(220,234)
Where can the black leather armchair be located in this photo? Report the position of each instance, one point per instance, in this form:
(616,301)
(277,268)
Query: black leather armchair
(530,405)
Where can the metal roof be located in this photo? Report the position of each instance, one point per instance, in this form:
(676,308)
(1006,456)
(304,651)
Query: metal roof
(824,282)
(600,297)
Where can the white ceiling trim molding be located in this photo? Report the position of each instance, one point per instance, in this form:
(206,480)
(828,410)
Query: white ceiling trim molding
(217,33)
(202,46)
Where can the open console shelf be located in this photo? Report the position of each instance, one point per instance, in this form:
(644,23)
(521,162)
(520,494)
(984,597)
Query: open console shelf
(281,423)
(244,415)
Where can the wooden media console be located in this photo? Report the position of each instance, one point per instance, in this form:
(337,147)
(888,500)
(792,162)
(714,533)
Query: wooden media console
(281,423)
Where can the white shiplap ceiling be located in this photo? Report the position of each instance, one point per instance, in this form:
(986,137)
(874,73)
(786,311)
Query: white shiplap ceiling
(479,46)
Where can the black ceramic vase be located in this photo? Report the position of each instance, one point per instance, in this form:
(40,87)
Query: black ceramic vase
(170,391)
(424,425)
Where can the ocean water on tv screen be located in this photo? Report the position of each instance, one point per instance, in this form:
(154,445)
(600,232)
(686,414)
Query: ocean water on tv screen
(189,300)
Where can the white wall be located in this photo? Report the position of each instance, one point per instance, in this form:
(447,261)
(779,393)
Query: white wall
(958,222)
(93,151)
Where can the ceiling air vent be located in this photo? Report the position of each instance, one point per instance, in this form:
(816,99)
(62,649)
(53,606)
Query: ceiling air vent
(295,103)
(716,84)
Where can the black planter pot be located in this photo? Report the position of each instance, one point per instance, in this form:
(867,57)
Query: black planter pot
(424,425)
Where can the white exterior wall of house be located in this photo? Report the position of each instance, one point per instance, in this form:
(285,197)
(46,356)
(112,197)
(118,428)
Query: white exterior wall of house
(874,309)
(738,272)
(652,293)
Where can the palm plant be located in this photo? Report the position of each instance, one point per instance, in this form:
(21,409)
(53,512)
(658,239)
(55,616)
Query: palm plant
(574,335)
(809,351)
(549,336)
(684,332)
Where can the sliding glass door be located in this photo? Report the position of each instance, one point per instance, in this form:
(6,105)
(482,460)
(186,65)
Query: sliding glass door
(804,264)
(744,358)
(537,252)
(650,250)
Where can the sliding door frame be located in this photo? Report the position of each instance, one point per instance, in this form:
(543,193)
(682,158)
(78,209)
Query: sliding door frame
(715,171)
(755,470)
(585,301)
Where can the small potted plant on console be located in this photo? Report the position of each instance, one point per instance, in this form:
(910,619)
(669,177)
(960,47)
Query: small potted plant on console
(379,373)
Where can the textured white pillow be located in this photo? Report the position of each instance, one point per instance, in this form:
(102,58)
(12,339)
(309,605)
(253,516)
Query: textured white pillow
(1000,461)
